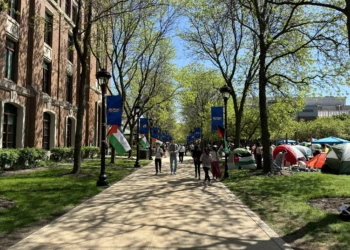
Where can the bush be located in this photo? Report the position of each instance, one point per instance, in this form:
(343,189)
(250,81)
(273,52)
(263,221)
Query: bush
(61,153)
(8,158)
(90,152)
(31,157)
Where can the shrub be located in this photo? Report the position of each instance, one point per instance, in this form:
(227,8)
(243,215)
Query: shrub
(31,157)
(61,153)
(8,158)
(90,152)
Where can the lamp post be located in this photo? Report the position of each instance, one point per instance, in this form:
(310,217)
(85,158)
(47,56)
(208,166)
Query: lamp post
(150,120)
(102,77)
(137,111)
(225,91)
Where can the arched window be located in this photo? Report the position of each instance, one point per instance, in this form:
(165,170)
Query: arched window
(9,126)
(46,131)
(69,132)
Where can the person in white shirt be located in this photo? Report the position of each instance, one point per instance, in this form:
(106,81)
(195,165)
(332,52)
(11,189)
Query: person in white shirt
(158,158)
(206,160)
(182,150)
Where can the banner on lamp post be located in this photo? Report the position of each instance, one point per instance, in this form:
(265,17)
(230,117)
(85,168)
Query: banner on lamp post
(114,110)
(144,126)
(217,117)
(197,133)
(155,132)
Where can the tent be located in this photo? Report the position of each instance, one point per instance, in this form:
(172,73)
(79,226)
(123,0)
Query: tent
(307,152)
(292,155)
(338,159)
(330,140)
(243,159)
(284,141)
(318,161)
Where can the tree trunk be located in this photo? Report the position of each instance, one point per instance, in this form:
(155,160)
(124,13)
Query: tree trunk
(80,119)
(237,140)
(265,135)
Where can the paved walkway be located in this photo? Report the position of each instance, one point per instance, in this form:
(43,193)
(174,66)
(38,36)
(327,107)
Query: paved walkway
(144,211)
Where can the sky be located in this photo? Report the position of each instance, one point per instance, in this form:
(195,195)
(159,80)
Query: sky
(184,58)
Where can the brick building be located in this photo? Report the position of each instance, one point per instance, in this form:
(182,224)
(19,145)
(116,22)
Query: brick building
(38,77)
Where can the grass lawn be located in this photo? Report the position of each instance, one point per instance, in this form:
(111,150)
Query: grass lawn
(281,201)
(42,194)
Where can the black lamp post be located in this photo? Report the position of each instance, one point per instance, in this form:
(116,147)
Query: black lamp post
(103,78)
(225,91)
(137,111)
(150,120)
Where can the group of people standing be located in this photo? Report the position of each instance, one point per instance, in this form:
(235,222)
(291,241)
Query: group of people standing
(209,159)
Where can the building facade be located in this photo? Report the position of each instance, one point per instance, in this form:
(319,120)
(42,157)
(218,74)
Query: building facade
(39,77)
(323,107)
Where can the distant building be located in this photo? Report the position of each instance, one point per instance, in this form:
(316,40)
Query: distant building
(323,107)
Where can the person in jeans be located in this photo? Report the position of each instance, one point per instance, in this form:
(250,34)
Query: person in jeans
(196,154)
(158,158)
(182,150)
(206,160)
(173,149)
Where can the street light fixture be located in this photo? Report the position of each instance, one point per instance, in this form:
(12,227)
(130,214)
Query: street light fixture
(225,91)
(103,77)
(150,137)
(137,111)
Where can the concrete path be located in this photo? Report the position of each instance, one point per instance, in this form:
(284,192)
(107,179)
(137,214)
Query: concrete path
(144,211)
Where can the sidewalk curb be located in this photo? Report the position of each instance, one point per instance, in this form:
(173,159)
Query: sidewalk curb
(268,230)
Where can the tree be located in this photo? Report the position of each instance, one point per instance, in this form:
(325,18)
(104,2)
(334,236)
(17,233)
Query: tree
(282,62)
(340,6)
(217,35)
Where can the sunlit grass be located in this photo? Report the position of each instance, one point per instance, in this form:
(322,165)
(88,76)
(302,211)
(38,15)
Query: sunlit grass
(42,194)
(282,202)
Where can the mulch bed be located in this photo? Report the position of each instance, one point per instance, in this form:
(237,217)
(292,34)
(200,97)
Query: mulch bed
(330,205)
(6,204)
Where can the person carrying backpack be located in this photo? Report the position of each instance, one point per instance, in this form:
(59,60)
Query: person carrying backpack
(158,158)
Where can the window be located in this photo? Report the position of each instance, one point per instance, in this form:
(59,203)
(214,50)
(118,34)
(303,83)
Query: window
(9,126)
(46,77)
(9,69)
(46,131)
(74,13)
(12,8)
(69,132)
(70,48)
(68,4)
(48,29)
(69,89)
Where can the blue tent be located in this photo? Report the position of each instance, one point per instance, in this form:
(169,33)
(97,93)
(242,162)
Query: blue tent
(330,140)
(284,141)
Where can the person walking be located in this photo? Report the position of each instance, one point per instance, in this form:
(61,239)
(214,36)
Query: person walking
(158,158)
(173,151)
(215,167)
(206,159)
(182,150)
(258,156)
(196,154)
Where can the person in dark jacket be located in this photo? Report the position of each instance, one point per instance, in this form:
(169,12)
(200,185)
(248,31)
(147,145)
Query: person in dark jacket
(196,154)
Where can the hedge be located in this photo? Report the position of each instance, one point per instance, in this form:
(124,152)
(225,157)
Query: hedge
(24,158)
(67,154)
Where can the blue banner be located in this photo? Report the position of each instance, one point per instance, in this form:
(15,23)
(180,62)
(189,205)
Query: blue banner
(163,136)
(144,126)
(114,110)
(217,117)
(188,138)
(197,133)
(155,132)
(193,136)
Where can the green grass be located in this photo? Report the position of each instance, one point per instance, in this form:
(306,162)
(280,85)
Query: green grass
(282,203)
(43,194)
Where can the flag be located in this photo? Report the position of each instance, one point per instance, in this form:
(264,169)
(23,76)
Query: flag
(155,141)
(118,141)
(144,142)
(221,131)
